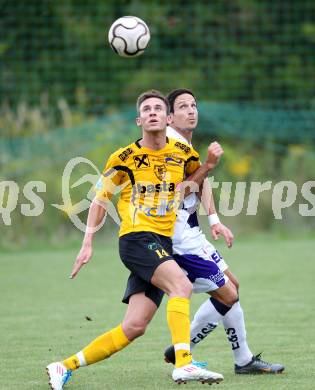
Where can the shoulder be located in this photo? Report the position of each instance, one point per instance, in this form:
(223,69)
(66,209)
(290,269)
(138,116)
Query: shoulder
(183,147)
(121,155)
(187,150)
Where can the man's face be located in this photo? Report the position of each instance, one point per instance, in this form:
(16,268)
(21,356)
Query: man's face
(152,115)
(185,116)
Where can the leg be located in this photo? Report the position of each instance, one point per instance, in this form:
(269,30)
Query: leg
(232,278)
(223,306)
(226,294)
(205,269)
(171,279)
(232,318)
(140,311)
(147,256)
(212,311)
(234,325)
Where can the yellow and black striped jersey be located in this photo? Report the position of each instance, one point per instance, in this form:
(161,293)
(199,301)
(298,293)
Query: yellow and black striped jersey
(146,180)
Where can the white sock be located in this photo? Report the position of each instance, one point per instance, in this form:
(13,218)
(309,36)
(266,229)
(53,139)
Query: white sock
(205,321)
(81,358)
(234,326)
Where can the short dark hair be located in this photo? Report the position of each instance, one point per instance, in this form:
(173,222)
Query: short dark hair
(152,93)
(171,97)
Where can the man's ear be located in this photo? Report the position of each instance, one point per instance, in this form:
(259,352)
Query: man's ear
(170,118)
(138,121)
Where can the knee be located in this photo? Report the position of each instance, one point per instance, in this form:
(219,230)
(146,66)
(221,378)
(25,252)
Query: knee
(134,329)
(231,295)
(231,298)
(187,287)
(182,288)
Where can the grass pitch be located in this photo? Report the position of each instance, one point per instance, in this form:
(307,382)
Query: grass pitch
(46,317)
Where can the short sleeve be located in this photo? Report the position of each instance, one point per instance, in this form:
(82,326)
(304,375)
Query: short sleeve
(192,163)
(110,180)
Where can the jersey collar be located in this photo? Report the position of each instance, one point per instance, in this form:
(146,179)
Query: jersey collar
(172,133)
(138,142)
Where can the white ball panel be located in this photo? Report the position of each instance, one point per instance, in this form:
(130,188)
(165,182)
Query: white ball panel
(143,41)
(128,21)
(129,35)
(119,44)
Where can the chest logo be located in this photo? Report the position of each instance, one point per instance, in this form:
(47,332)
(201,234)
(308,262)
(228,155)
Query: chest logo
(172,160)
(160,171)
(141,161)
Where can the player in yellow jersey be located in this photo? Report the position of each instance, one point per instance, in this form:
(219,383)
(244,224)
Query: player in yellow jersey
(147,173)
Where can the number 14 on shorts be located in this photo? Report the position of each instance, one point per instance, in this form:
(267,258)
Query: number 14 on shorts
(161,253)
(158,249)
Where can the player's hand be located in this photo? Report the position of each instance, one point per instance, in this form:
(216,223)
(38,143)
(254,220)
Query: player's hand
(83,257)
(220,229)
(215,151)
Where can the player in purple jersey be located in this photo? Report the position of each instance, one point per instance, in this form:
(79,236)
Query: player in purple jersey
(202,263)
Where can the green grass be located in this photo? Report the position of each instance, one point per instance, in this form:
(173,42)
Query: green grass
(43,318)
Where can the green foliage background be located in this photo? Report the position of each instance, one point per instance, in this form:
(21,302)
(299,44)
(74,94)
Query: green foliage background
(64,93)
(245,50)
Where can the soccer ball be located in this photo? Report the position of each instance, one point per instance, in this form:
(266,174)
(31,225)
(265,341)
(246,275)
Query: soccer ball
(129,36)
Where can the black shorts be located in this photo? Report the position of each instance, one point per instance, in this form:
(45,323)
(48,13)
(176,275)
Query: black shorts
(142,253)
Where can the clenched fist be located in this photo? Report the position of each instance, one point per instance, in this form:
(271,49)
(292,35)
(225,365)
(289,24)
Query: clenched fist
(215,151)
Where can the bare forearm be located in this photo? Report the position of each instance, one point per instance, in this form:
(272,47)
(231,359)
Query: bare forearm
(195,181)
(206,197)
(200,174)
(96,215)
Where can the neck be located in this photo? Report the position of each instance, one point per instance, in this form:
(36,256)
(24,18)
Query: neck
(187,134)
(154,140)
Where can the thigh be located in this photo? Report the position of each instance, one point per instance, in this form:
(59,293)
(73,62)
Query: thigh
(204,274)
(232,278)
(143,252)
(136,285)
(170,278)
(226,294)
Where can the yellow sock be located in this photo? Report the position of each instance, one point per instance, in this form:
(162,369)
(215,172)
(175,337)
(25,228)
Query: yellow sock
(101,348)
(179,324)
(72,363)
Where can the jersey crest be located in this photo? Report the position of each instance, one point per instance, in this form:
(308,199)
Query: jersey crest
(160,171)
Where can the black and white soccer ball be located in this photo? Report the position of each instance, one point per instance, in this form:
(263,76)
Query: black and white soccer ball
(129,36)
